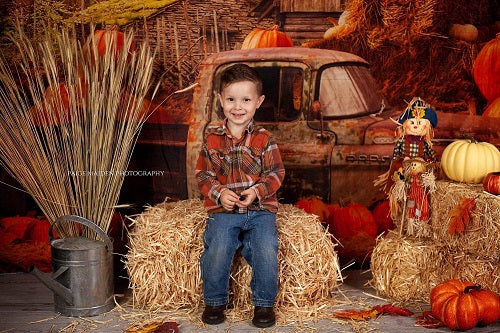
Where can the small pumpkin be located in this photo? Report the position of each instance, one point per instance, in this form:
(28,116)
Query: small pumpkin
(272,37)
(486,69)
(465,32)
(354,227)
(382,215)
(491,183)
(38,231)
(469,161)
(493,109)
(314,205)
(463,305)
(113,36)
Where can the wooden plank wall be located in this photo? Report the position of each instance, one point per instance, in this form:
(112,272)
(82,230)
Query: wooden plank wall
(303,27)
(287,6)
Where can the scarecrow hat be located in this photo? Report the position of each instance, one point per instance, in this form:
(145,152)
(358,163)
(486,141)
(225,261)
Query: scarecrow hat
(417,108)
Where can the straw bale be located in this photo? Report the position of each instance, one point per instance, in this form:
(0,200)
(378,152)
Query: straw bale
(166,244)
(482,236)
(406,268)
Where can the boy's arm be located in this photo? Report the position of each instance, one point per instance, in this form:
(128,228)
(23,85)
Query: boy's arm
(206,177)
(273,171)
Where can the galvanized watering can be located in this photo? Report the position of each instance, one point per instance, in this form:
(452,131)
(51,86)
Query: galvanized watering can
(82,278)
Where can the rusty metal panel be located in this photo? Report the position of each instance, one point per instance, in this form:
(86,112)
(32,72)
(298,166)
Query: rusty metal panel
(287,6)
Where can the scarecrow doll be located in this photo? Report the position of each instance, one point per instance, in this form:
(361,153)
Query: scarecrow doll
(419,182)
(414,134)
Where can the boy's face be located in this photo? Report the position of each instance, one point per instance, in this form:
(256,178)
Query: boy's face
(239,102)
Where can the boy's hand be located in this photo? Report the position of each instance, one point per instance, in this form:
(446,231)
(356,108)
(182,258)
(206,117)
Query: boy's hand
(246,198)
(228,199)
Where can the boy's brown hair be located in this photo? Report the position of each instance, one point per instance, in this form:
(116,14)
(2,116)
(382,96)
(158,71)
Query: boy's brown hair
(239,73)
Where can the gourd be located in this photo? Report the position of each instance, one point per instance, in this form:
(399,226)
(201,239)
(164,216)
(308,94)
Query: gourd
(272,37)
(486,69)
(463,305)
(465,32)
(469,161)
(491,183)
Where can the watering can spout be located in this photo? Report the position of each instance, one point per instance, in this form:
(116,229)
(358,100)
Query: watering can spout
(52,284)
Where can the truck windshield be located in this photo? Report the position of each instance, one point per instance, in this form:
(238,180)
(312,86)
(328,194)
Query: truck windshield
(346,91)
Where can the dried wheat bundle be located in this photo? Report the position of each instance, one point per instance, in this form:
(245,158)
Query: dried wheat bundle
(405,268)
(482,236)
(69,118)
(166,244)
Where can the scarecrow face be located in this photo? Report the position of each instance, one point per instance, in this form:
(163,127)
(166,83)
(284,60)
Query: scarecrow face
(416,167)
(416,126)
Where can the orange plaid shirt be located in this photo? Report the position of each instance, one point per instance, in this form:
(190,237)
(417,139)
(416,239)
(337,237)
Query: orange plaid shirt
(254,161)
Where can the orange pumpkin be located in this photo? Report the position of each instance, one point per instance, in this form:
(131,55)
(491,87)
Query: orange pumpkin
(38,231)
(382,215)
(463,305)
(491,183)
(355,228)
(314,205)
(486,69)
(493,109)
(17,225)
(116,39)
(272,37)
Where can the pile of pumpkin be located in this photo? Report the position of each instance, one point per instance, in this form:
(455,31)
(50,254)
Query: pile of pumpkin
(354,226)
(24,241)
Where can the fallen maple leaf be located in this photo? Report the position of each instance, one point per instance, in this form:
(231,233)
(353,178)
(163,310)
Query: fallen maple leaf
(356,315)
(166,327)
(460,215)
(428,320)
(392,310)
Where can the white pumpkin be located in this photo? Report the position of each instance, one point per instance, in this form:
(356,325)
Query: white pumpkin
(469,161)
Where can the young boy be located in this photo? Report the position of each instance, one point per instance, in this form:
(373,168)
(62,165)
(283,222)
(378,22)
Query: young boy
(238,172)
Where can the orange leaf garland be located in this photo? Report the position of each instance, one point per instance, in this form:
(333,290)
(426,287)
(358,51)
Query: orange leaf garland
(460,215)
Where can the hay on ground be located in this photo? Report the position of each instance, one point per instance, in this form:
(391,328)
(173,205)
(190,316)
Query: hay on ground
(166,244)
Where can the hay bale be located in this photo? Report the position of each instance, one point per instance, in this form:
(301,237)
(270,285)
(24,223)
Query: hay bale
(482,236)
(166,244)
(406,268)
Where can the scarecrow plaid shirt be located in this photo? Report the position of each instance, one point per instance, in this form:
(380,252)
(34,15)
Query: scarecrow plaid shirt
(253,161)
(413,146)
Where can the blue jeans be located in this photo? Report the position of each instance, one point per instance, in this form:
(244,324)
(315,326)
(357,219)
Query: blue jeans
(224,234)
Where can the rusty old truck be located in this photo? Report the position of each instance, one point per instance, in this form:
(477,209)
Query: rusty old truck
(333,127)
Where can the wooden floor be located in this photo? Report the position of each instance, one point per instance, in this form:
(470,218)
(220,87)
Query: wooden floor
(26,305)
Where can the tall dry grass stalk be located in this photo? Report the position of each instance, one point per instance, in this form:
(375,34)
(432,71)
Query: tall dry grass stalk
(69,119)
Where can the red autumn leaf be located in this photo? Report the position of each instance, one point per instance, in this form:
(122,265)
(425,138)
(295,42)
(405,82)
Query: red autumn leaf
(428,320)
(356,315)
(156,327)
(392,310)
(460,215)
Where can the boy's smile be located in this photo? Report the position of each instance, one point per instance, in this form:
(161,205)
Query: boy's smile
(239,101)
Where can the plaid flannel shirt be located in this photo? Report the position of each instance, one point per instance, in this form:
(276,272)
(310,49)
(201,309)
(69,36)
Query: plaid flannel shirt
(254,161)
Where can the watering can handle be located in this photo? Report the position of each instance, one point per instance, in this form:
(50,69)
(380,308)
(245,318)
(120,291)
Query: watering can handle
(85,222)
